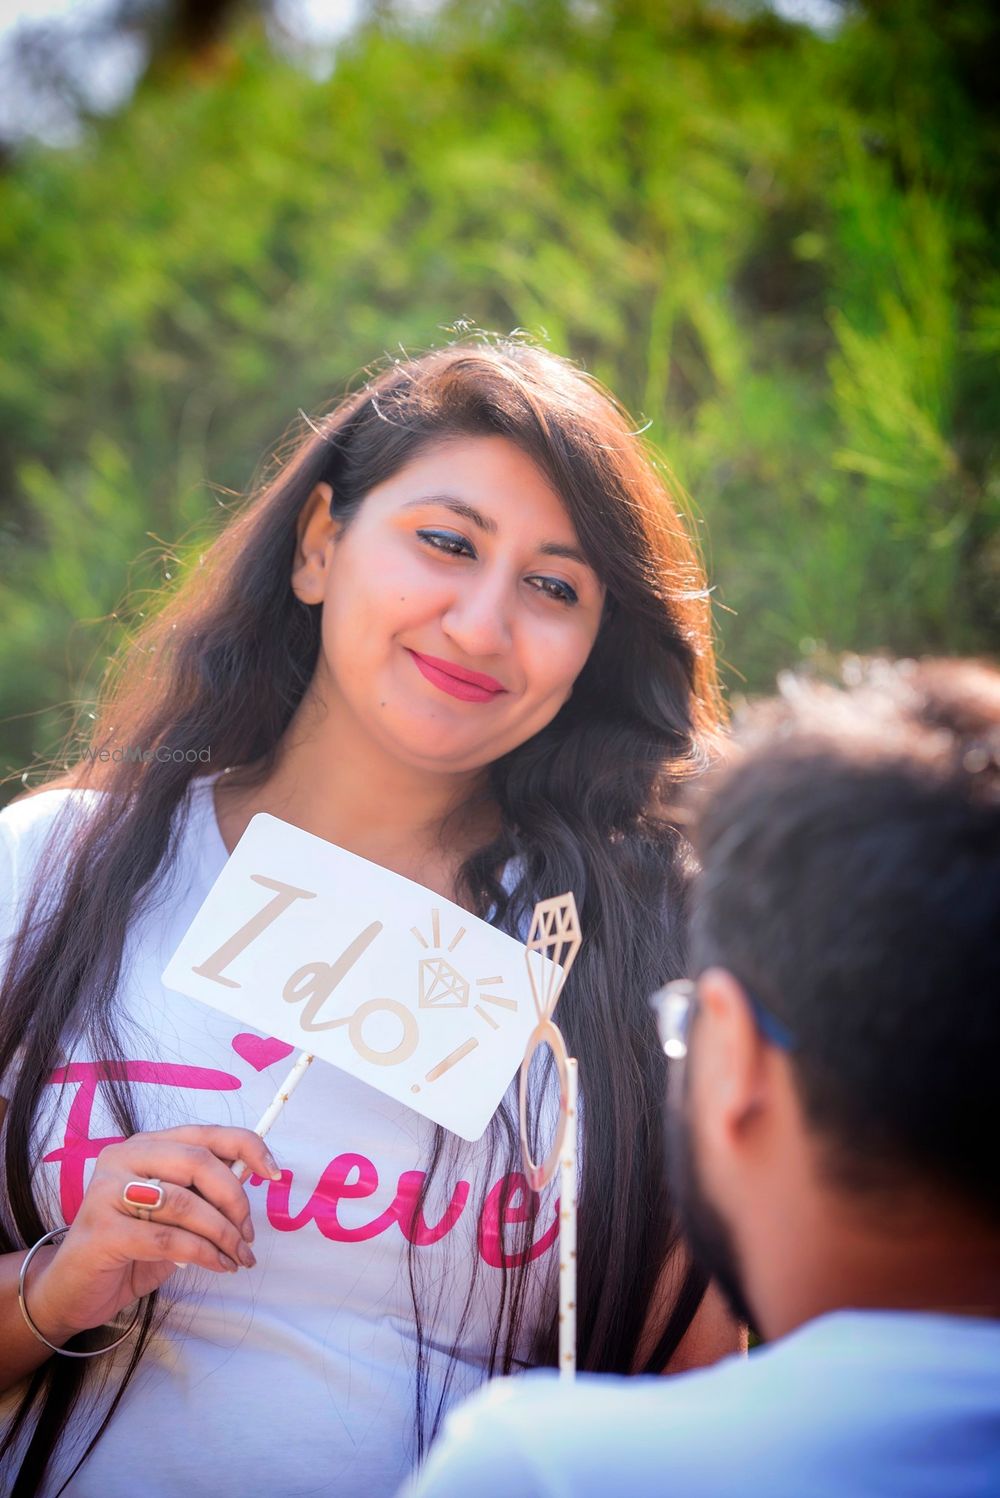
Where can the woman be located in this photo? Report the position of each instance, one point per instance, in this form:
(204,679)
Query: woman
(462,633)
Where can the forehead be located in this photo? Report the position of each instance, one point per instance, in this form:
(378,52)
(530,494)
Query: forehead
(492,473)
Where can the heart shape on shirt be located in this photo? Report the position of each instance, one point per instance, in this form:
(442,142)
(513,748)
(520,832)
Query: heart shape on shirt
(259,1050)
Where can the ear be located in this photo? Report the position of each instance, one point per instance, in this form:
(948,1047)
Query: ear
(315,529)
(731,1063)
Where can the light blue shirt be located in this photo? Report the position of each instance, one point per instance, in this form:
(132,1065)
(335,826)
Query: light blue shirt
(851,1405)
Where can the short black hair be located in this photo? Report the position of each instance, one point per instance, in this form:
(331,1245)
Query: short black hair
(850,875)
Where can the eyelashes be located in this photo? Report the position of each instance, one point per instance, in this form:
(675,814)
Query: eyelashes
(554,587)
(452,544)
(449,542)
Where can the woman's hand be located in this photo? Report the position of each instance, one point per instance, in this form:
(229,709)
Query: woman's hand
(110,1256)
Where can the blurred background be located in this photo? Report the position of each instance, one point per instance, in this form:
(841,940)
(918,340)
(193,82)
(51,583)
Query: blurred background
(770,228)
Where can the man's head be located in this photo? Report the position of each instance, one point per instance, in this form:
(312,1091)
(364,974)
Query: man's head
(850,890)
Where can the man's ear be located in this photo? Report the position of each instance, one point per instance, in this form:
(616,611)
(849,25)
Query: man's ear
(731,1062)
(315,529)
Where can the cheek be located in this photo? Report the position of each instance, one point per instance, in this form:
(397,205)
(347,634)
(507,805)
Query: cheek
(367,605)
(558,658)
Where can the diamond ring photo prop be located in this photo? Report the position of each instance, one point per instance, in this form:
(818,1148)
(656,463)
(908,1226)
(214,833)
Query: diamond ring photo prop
(555,935)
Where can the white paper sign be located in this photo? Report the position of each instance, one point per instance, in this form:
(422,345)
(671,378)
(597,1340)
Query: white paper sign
(340,957)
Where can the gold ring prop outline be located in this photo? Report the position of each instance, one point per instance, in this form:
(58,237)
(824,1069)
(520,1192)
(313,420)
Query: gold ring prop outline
(540,1175)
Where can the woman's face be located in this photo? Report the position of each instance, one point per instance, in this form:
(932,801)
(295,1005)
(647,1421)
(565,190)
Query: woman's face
(458,609)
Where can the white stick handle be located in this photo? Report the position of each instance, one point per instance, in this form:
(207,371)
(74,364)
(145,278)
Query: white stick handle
(567,1232)
(272,1110)
(274,1107)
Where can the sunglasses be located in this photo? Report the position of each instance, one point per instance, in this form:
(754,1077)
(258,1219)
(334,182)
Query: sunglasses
(675,1004)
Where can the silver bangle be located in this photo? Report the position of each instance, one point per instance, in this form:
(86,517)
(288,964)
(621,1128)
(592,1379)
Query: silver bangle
(65,1351)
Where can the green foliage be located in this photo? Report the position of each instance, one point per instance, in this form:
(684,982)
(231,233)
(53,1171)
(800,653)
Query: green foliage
(774,246)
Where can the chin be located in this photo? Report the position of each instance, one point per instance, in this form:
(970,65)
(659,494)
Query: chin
(432,746)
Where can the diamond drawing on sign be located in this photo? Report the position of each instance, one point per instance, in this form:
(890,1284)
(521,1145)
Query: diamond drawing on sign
(441,986)
(555,933)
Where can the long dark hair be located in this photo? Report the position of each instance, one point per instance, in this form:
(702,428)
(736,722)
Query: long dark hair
(584,805)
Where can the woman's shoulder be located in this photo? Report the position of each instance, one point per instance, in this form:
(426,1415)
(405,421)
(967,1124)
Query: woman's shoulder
(29,816)
(27,823)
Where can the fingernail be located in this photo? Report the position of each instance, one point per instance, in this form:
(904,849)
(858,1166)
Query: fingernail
(248,1230)
(272,1165)
(227,1262)
(246,1257)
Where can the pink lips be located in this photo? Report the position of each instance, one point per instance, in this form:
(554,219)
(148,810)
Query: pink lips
(469,686)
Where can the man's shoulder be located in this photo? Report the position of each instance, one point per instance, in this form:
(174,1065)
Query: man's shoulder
(540,1435)
(847,1397)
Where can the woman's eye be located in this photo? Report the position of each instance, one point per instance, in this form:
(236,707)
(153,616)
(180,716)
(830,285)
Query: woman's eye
(554,587)
(453,544)
(449,542)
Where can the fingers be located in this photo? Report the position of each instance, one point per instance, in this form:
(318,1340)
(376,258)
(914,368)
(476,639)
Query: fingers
(180,1165)
(229,1144)
(205,1215)
(231,1231)
(152,1242)
(201,1195)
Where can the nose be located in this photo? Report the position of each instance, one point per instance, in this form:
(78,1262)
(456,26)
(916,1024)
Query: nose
(478,616)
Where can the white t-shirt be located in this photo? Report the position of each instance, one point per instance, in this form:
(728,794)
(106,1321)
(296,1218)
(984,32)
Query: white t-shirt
(855,1404)
(296,1376)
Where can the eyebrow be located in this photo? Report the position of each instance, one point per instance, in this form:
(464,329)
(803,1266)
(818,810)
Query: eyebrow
(482,522)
